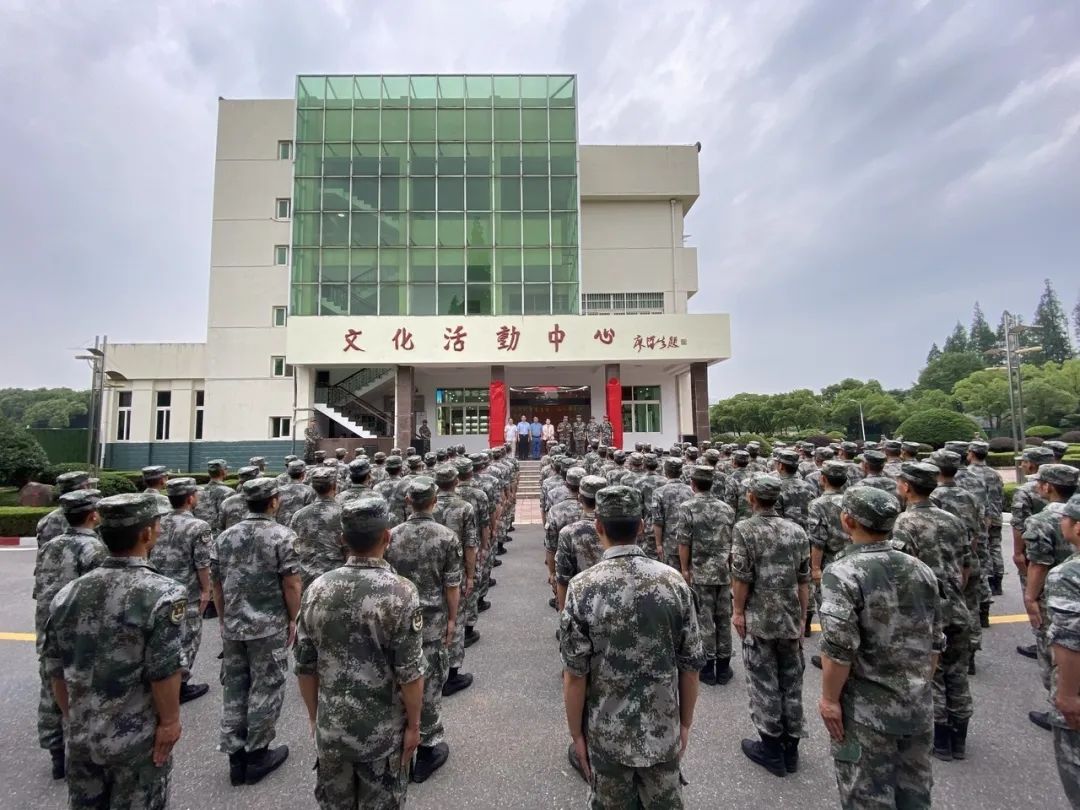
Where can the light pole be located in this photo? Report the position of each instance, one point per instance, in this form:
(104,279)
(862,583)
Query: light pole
(96,356)
(1014,353)
(862,421)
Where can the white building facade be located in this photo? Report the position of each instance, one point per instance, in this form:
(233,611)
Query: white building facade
(393,249)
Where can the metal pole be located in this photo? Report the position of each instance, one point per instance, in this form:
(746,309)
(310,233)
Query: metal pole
(1017,446)
(99,430)
(862,424)
(92,409)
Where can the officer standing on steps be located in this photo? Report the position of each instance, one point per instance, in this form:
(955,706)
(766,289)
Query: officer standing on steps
(881,637)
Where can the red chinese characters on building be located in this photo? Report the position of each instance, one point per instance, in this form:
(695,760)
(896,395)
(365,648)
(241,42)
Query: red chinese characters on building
(605,336)
(454,338)
(556,336)
(657,342)
(351,338)
(508,337)
(403,340)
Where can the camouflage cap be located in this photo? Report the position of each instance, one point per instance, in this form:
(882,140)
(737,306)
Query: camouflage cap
(910,447)
(892,446)
(788,457)
(359,467)
(410,451)
(766,487)
(712,455)
(445,473)
(68,481)
(380,457)
(1072,507)
(834,469)
(290,457)
(217,465)
(564,464)
(635,459)
(414,462)
(130,509)
(81,500)
(591,484)
(395,451)
(247,473)
(394,462)
(1057,448)
(874,508)
(463,465)
(421,488)
(756,445)
(824,453)
(1061,475)
(331,463)
(319,455)
(979,448)
(872,446)
(430,459)
(155,472)
(919,473)
(692,452)
(960,448)
(673,465)
(619,457)
(255,461)
(441,454)
(296,466)
(323,477)
(875,457)
(367,514)
(259,489)
(360,451)
(741,455)
(849,447)
(703,473)
(181,486)
(617,502)
(574,476)
(460,449)
(945,458)
(652,461)
(340,451)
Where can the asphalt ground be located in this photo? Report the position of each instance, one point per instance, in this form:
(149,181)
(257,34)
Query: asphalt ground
(507,733)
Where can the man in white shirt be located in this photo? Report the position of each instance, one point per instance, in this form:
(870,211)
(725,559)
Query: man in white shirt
(510,433)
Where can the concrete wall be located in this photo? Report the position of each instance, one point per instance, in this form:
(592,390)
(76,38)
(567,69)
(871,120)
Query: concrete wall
(192,456)
(640,172)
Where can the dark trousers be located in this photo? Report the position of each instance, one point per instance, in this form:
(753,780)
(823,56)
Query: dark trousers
(523,446)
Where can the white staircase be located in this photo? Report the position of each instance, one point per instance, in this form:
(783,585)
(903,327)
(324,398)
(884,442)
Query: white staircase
(528,480)
(333,413)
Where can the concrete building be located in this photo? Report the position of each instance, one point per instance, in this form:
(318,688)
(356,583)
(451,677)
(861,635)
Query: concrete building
(389,249)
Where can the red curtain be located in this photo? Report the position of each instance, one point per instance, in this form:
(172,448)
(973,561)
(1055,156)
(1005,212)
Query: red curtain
(496,413)
(614,410)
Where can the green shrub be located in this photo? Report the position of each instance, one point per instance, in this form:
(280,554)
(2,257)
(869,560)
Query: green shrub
(9,496)
(1002,444)
(54,471)
(745,438)
(21,521)
(1071,436)
(1010,490)
(818,439)
(110,483)
(935,426)
(1042,432)
(1000,460)
(21,457)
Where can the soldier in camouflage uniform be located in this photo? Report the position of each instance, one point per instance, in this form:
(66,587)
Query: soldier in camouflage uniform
(563,431)
(577,433)
(607,432)
(592,432)
(770,569)
(827,536)
(1025,503)
(703,531)
(631,648)
(555,489)
(592,459)
(485,513)
(617,471)
(881,637)
(578,545)
(430,556)
(1045,547)
(993,563)
(486,480)
(795,494)
(60,561)
(366,719)
(182,553)
(154,482)
(213,495)
(690,459)
(665,512)
(378,468)
(647,486)
(813,478)
(458,515)
(559,517)
(893,462)
(1063,613)
(738,484)
(392,488)
(635,464)
(54,524)
(848,453)
(113,653)
(317,527)
(260,462)
(873,468)
(283,477)
(296,494)
(359,482)
(257,585)
(940,540)
(234,507)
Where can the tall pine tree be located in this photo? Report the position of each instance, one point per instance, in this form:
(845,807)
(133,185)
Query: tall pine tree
(981,337)
(1076,320)
(1053,326)
(957,342)
(934,354)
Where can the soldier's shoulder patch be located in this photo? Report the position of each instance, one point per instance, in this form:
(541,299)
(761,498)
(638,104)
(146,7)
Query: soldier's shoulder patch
(417,620)
(179,609)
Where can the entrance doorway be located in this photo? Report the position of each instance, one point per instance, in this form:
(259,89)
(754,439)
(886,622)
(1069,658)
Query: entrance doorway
(550,402)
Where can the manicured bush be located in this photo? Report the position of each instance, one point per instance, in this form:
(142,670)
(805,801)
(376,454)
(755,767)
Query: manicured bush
(54,471)
(1001,460)
(935,426)
(1033,441)
(9,496)
(21,521)
(1010,490)
(1002,444)
(110,483)
(21,457)
(1072,437)
(819,439)
(1042,432)
(745,438)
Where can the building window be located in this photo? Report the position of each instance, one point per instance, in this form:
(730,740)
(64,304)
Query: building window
(280,427)
(123,416)
(163,416)
(281,255)
(200,403)
(461,411)
(280,314)
(283,208)
(641,408)
(284,150)
(279,368)
(641,303)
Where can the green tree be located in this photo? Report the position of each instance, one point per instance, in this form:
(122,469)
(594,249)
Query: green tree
(957,342)
(43,407)
(935,427)
(21,457)
(948,370)
(1076,320)
(984,393)
(53,413)
(933,354)
(1053,326)
(981,337)
(1045,403)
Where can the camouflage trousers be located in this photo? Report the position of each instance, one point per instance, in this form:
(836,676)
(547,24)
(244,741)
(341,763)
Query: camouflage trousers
(1067,754)
(190,640)
(976,592)
(342,784)
(137,786)
(1042,645)
(993,547)
(774,679)
(467,615)
(673,560)
(714,619)
(616,786)
(253,690)
(436,670)
(648,543)
(50,723)
(876,771)
(952,694)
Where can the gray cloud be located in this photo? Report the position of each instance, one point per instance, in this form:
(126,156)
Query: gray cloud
(873,167)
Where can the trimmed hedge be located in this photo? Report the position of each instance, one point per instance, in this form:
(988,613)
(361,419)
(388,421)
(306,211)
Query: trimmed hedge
(1042,432)
(113,484)
(1002,444)
(54,471)
(1071,436)
(21,521)
(1010,490)
(935,426)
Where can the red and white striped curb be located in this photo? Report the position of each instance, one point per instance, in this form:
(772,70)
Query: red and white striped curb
(21,542)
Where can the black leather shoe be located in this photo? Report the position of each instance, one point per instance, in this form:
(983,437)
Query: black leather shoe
(708,673)
(428,760)
(552,604)
(816,661)
(483,605)
(1041,719)
(238,768)
(492,583)
(500,550)
(471,636)
(510,530)
(455,684)
(1028,650)
(724,674)
(766,752)
(790,747)
(59,765)
(497,563)
(190,691)
(264,761)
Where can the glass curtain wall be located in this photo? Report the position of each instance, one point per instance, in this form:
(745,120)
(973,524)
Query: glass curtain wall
(435,195)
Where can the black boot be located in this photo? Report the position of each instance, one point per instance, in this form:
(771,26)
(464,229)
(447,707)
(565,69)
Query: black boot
(1028,650)
(492,582)
(552,604)
(500,550)
(816,661)
(708,673)
(943,742)
(767,753)
(496,563)
(59,766)
(995,585)
(1041,719)
(723,671)
(429,758)
(264,761)
(238,767)
(483,605)
(806,629)
(456,682)
(190,691)
(984,614)
(959,738)
(971,663)
(210,612)
(790,747)
(471,636)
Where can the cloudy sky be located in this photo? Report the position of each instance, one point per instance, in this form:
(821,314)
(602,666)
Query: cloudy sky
(868,169)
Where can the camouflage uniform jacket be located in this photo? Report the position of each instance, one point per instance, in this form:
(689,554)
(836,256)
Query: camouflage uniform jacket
(814,480)
(378,473)
(164,501)
(772,555)
(633,479)
(578,431)
(704,526)
(578,548)
(961,503)
(892,468)
(557,495)
(458,515)
(995,491)
(483,510)
(824,529)
(182,550)
(52,525)
(233,510)
(647,486)
(881,615)
(882,482)
(291,499)
(607,433)
(1025,503)
(490,485)
(251,559)
(360,631)
(630,626)
(591,462)
(592,431)
(795,497)
(318,543)
(430,556)
(806,467)
(854,473)
(111,633)
(563,431)
(60,561)
(665,512)
(616,474)
(1044,543)
(738,484)
(940,540)
(355,491)
(559,517)
(386,489)
(208,507)
(1063,607)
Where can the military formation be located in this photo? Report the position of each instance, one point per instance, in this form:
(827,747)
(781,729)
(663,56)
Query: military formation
(367,578)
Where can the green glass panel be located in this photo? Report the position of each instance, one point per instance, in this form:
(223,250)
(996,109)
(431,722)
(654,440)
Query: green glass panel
(365,193)
(338,125)
(534,158)
(451,158)
(306,194)
(365,125)
(451,265)
(564,229)
(534,193)
(537,264)
(478,265)
(451,124)
(561,91)
(391,264)
(423,91)
(478,91)
(451,299)
(452,229)
(508,159)
(310,91)
(508,125)
(363,265)
(451,91)
(508,299)
(308,160)
(335,194)
(478,125)
(335,266)
(478,194)
(336,159)
(339,90)
(392,229)
(535,230)
(508,265)
(333,299)
(507,91)
(537,299)
(335,229)
(366,91)
(422,229)
(395,159)
(534,91)
(363,299)
(309,125)
(564,265)
(365,160)
(534,125)
(479,230)
(451,193)
(478,299)
(478,159)
(305,299)
(564,158)
(392,190)
(422,266)
(395,91)
(564,299)
(421,158)
(564,194)
(306,230)
(562,124)
(422,194)
(391,299)
(421,299)
(507,229)
(421,125)
(365,229)
(508,193)
(395,125)
(305,266)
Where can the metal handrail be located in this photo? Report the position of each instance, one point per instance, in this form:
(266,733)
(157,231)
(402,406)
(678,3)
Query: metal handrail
(338,397)
(363,377)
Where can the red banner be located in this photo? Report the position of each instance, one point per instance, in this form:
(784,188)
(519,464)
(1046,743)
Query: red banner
(614,410)
(496,413)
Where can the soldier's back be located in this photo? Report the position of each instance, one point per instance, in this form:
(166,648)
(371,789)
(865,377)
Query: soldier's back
(252,556)
(429,555)
(774,554)
(60,561)
(182,547)
(318,538)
